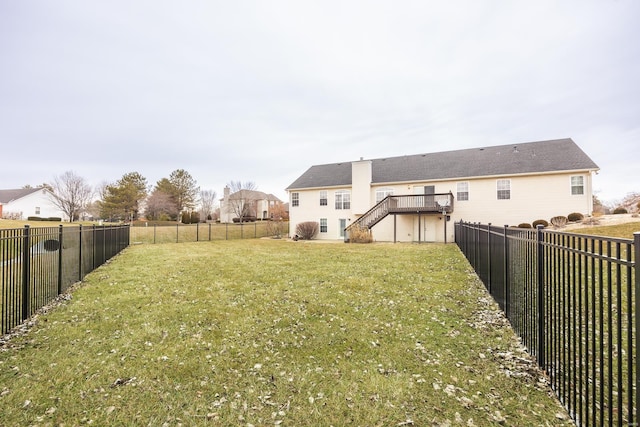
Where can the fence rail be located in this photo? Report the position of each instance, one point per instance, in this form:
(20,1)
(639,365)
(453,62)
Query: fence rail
(38,264)
(573,299)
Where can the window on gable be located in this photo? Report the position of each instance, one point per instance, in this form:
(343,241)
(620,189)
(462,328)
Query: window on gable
(462,191)
(295,199)
(37,210)
(381,193)
(577,185)
(343,200)
(323,225)
(504,189)
(323,198)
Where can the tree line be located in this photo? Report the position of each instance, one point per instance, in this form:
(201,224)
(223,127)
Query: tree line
(175,198)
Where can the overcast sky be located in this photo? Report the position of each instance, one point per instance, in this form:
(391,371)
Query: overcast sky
(261,90)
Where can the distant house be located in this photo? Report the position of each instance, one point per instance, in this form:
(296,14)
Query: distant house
(250,204)
(28,202)
(411,198)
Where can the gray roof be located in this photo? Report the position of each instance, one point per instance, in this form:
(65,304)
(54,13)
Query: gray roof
(7,196)
(253,195)
(530,157)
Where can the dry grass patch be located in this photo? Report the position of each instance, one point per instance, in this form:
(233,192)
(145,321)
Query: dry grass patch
(273,333)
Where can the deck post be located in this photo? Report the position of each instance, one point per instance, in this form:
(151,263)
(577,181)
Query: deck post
(395,227)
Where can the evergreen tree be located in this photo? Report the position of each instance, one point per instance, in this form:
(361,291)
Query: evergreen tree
(122,199)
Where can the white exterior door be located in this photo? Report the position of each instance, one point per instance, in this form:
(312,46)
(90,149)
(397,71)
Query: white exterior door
(342,224)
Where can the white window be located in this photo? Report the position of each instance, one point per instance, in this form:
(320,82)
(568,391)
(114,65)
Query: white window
(323,198)
(343,200)
(504,189)
(37,210)
(323,225)
(381,193)
(463,191)
(295,199)
(577,185)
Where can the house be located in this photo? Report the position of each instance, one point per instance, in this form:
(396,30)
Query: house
(249,204)
(28,202)
(411,198)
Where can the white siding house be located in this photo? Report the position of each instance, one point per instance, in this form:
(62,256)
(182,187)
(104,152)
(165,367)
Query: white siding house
(251,203)
(28,202)
(417,198)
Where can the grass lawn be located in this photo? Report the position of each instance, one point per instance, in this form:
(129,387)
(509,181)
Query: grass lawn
(624,231)
(267,332)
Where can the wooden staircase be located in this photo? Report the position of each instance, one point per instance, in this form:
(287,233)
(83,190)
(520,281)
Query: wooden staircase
(404,205)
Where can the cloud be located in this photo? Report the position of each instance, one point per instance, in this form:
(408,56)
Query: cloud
(262,90)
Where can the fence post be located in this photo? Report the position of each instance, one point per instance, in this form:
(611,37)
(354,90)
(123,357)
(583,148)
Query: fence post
(26,272)
(505,258)
(177,233)
(255,229)
(636,272)
(541,318)
(197,231)
(80,276)
(489,257)
(93,248)
(59,259)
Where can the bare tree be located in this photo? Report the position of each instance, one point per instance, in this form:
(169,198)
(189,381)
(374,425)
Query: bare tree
(160,206)
(71,193)
(241,199)
(207,204)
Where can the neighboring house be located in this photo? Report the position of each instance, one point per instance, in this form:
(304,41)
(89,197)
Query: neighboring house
(25,202)
(250,203)
(411,198)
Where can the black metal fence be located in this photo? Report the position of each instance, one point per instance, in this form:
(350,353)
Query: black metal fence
(573,300)
(38,264)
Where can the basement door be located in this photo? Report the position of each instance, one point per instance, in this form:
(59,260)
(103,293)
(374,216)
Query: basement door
(425,228)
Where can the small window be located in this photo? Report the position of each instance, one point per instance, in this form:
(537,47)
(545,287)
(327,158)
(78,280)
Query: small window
(323,225)
(323,198)
(295,199)
(577,185)
(343,200)
(37,210)
(463,191)
(504,189)
(381,193)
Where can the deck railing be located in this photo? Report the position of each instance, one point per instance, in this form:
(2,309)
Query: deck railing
(405,204)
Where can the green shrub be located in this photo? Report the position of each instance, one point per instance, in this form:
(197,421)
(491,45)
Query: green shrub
(51,218)
(541,222)
(307,230)
(575,216)
(524,225)
(620,210)
(245,219)
(559,221)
